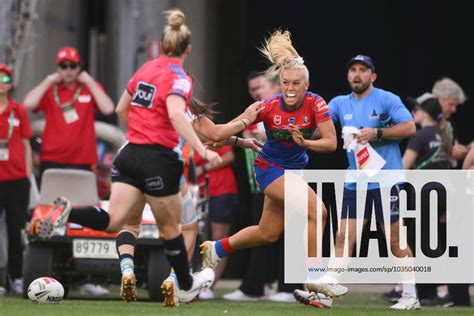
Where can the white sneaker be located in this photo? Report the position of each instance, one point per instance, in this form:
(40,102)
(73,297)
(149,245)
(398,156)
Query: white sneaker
(170,291)
(16,286)
(202,279)
(206,294)
(93,290)
(313,299)
(407,302)
(282,297)
(268,290)
(210,259)
(328,289)
(238,295)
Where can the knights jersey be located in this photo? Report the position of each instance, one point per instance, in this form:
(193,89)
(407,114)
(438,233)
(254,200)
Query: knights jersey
(280,148)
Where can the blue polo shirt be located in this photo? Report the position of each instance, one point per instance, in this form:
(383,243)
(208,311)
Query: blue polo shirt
(366,112)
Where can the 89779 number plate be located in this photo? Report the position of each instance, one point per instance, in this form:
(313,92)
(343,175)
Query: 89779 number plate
(94,248)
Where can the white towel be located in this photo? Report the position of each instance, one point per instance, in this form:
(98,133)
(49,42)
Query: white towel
(367,159)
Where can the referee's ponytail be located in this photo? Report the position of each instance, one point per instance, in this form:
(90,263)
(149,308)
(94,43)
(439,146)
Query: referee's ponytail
(176,35)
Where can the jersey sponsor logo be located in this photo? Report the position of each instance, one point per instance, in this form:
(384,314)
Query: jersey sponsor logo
(277,119)
(322,106)
(182,85)
(154,184)
(114,172)
(348,116)
(144,95)
(291,120)
(84,98)
(284,135)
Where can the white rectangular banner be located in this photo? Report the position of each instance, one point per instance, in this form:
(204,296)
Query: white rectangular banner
(392,227)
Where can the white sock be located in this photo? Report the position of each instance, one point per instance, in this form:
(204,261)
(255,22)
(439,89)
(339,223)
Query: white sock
(409,289)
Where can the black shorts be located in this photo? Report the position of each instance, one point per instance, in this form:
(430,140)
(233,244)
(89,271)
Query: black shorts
(153,169)
(223,207)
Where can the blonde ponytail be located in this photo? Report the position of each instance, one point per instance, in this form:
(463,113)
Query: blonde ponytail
(176,35)
(279,50)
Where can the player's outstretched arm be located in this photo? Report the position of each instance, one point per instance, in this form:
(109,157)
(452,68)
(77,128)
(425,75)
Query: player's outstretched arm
(218,132)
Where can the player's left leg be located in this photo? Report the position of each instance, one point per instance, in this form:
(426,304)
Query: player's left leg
(267,231)
(126,241)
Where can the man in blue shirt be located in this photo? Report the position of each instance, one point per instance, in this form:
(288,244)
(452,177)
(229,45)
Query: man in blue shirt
(383,121)
(380,115)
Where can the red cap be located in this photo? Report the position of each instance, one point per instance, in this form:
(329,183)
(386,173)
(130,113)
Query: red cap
(6,69)
(68,53)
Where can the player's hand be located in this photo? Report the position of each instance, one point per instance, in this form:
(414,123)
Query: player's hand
(366,135)
(459,151)
(250,143)
(211,156)
(84,77)
(252,111)
(297,135)
(54,78)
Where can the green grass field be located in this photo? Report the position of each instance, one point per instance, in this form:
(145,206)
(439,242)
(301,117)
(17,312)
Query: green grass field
(352,304)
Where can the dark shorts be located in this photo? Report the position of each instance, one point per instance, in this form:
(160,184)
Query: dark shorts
(153,169)
(222,208)
(349,205)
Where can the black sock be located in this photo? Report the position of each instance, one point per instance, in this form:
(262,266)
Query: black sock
(92,217)
(178,258)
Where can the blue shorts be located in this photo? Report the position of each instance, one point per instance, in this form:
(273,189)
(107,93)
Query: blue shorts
(266,172)
(222,208)
(349,206)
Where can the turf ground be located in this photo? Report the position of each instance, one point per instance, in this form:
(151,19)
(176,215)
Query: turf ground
(352,304)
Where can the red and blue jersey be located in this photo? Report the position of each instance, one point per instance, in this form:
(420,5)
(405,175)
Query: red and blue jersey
(280,149)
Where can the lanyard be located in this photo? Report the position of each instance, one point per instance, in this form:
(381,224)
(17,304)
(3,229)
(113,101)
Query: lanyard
(10,125)
(74,97)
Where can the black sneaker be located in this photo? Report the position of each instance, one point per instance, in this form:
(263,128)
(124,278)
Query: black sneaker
(393,296)
(437,301)
(445,301)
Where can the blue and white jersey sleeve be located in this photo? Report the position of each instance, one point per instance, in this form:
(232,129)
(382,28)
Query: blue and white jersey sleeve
(397,110)
(334,109)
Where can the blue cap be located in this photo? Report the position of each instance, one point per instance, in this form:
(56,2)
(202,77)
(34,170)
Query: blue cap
(366,60)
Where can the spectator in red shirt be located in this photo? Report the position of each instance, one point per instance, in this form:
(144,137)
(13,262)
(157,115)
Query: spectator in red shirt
(15,170)
(68,98)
